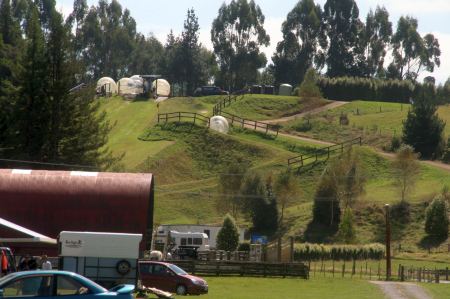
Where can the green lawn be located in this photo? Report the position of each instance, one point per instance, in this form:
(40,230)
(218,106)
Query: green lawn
(438,291)
(269,288)
(263,107)
(376,122)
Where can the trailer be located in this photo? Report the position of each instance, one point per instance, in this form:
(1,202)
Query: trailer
(106,258)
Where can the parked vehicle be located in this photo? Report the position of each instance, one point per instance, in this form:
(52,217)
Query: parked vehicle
(45,284)
(107,258)
(209,91)
(170,278)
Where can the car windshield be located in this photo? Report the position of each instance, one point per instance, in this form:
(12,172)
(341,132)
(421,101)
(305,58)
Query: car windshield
(177,270)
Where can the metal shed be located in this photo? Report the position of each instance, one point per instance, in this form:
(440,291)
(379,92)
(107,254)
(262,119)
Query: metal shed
(49,202)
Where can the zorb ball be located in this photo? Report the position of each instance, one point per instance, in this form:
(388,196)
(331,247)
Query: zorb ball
(219,124)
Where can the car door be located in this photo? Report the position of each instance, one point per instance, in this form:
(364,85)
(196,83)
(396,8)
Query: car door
(32,286)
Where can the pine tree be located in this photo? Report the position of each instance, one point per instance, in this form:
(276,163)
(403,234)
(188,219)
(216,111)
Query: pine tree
(228,236)
(423,129)
(436,220)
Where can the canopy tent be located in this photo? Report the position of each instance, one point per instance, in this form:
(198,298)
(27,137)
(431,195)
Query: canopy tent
(108,85)
(24,235)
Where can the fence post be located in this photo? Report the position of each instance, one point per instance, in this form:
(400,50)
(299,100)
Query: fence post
(436,274)
(279,250)
(255,124)
(195,117)
(179,116)
(446,273)
(343,269)
(158,118)
(243,122)
(402,273)
(328,152)
(291,245)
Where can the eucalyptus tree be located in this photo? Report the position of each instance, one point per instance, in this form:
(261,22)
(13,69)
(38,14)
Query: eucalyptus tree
(412,54)
(237,35)
(303,44)
(376,37)
(345,55)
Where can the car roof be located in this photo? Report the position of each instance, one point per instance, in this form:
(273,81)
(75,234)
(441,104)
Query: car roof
(155,262)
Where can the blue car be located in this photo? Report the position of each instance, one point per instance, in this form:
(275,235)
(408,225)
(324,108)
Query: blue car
(68,285)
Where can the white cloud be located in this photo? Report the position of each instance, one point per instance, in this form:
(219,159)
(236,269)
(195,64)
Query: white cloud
(412,6)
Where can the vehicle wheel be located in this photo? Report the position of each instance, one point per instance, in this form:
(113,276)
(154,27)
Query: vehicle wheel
(123,267)
(181,290)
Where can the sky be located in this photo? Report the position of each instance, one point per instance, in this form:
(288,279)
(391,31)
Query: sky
(159,17)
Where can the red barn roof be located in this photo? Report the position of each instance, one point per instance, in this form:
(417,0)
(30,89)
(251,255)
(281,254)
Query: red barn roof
(51,201)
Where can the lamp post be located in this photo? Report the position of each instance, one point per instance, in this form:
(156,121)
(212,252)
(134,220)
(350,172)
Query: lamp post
(388,243)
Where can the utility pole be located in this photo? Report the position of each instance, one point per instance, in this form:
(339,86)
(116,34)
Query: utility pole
(388,243)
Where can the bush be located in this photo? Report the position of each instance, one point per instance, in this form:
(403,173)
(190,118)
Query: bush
(228,236)
(369,89)
(396,142)
(309,88)
(307,251)
(244,246)
(436,218)
(347,232)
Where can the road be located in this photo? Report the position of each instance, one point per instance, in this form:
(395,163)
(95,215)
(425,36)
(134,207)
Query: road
(402,290)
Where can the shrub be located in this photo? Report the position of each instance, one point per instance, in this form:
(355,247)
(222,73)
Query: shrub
(396,142)
(244,246)
(308,251)
(309,88)
(347,232)
(436,218)
(228,236)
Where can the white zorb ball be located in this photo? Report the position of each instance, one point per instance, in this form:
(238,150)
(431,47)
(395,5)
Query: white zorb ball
(219,123)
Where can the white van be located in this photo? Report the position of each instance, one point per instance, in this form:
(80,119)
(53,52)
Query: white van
(200,241)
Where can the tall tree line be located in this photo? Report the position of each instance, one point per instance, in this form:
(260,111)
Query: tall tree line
(334,39)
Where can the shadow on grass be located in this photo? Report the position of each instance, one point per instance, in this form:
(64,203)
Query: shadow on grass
(428,242)
(320,233)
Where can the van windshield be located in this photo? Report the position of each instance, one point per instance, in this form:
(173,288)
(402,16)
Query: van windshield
(177,270)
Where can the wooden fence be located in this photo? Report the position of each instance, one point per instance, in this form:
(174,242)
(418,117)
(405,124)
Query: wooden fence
(227,101)
(244,268)
(321,154)
(183,116)
(422,274)
(251,124)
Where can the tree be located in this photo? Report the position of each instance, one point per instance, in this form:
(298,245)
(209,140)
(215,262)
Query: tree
(377,36)
(341,183)
(236,34)
(412,54)
(309,88)
(406,170)
(147,56)
(260,204)
(345,54)
(287,189)
(436,218)
(346,231)
(230,184)
(423,129)
(228,236)
(303,43)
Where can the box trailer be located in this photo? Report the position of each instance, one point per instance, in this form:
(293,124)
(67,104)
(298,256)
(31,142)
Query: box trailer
(106,258)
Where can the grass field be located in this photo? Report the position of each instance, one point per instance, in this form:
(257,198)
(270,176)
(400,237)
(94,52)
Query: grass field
(269,288)
(437,291)
(263,107)
(376,122)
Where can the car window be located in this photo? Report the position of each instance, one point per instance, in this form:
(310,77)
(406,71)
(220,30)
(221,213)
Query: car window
(145,268)
(68,286)
(159,269)
(34,286)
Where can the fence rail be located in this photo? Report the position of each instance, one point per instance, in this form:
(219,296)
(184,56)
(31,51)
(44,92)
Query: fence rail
(244,268)
(227,101)
(300,161)
(250,124)
(182,116)
(422,274)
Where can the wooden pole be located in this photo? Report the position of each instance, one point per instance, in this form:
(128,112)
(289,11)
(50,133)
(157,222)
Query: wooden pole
(388,243)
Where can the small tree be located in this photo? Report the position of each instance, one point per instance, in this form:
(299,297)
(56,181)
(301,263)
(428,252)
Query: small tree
(346,228)
(287,188)
(423,129)
(309,88)
(406,170)
(436,218)
(228,236)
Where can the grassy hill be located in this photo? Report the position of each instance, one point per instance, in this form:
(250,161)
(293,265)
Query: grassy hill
(186,161)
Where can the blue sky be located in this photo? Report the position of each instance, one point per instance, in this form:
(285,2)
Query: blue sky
(158,17)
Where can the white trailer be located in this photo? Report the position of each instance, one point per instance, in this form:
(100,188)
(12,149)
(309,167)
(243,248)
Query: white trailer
(107,258)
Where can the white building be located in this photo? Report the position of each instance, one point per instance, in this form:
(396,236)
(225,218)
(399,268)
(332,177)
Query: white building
(210,230)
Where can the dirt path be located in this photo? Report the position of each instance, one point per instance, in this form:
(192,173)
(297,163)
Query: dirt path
(404,290)
(332,105)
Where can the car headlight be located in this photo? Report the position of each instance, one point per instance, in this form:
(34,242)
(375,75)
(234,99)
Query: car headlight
(197,282)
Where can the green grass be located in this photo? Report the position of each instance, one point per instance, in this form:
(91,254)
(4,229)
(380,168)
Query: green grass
(263,107)
(376,122)
(262,288)
(438,291)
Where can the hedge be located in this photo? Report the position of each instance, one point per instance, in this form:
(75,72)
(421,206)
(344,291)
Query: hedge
(307,251)
(369,89)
